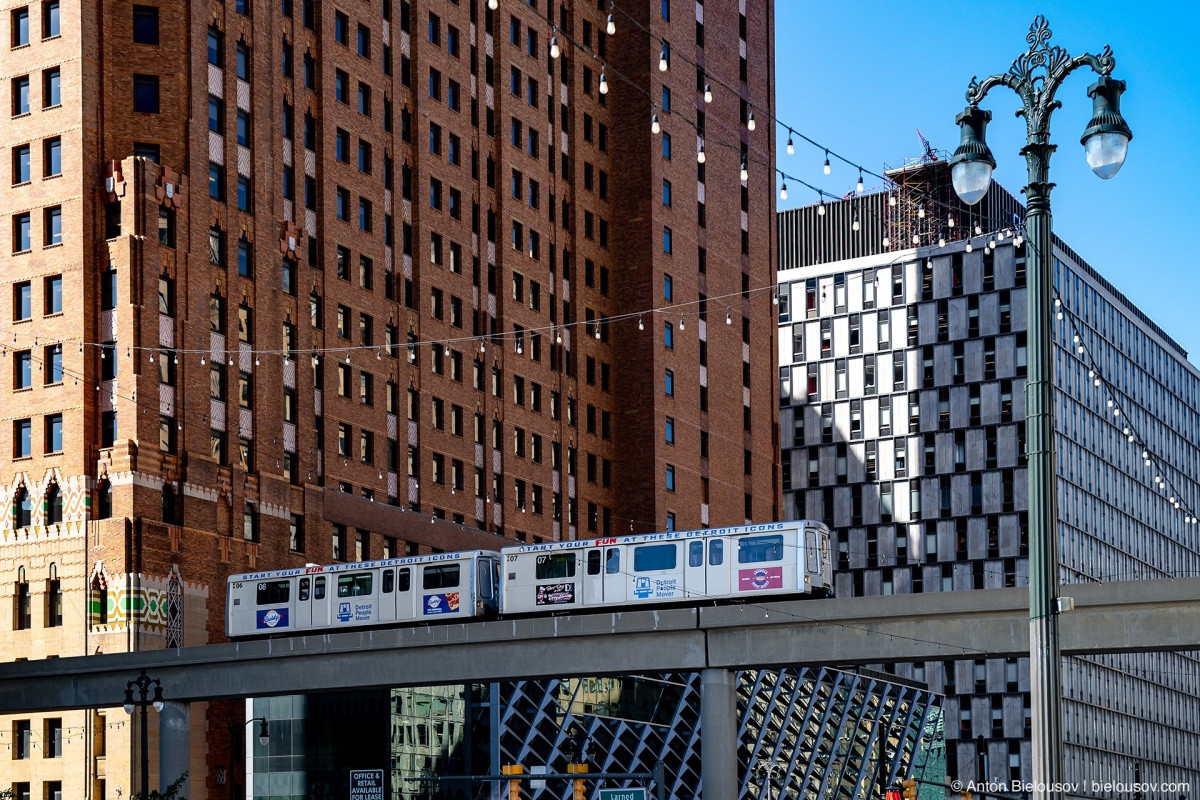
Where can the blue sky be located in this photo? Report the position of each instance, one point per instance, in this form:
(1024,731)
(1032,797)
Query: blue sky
(862,77)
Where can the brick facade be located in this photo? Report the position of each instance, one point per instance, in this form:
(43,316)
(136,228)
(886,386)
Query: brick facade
(307,311)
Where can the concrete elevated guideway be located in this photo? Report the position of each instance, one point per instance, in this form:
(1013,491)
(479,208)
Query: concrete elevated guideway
(1108,618)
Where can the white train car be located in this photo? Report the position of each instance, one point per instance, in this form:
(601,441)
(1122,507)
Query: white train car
(780,558)
(442,586)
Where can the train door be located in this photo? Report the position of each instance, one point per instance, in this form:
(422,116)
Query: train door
(694,578)
(657,572)
(387,595)
(304,603)
(405,604)
(616,581)
(716,567)
(485,586)
(593,576)
(320,602)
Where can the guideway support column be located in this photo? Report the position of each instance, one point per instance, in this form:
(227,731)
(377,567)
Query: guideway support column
(718,735)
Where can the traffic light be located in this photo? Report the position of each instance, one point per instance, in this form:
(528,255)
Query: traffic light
(514,786)
(579,785)
(910,788)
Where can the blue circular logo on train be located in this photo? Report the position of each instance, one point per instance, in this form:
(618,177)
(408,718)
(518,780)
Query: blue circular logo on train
(271,618)
(760,579)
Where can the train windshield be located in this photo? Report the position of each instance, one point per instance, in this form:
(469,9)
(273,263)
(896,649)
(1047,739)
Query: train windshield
(559,565)
(754,549)
(273,592)
(355,585)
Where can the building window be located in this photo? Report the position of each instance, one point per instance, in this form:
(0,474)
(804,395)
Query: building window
(51,87)
(50,22)
(669,383)
(20,27)
(22,236)
(52,157)
(22,440)
(22,370)
(54,436)
(145,24)
(52,222)
(20,165)
(20,95)
(145,94)
(242,65)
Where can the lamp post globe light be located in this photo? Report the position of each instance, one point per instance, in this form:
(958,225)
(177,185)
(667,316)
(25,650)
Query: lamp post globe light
(1035,76)
(142,683)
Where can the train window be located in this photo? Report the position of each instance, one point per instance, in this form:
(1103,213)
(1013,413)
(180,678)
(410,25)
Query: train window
(612,563)
(559,565)
(753,549)
(593,562)
(304,584)
(319,588)
(389,581)
(651,557)
(273,592)
(405,580)
(696,554)
(716,552)
(355,585)
(443,577)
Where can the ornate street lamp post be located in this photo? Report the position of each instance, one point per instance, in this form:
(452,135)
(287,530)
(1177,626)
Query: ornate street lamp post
(143,683)
(1035,76)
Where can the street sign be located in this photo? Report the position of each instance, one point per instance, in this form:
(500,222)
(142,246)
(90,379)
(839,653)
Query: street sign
(633,793)
(366,784)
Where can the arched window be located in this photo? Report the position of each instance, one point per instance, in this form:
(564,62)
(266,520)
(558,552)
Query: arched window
(98,601)
(54,505)
(53,598)
(23,508)
(104,500)
(21,613)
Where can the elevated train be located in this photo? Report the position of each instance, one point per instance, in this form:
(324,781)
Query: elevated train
(780,559)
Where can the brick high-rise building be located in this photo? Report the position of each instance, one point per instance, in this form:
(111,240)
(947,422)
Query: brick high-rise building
(287,281)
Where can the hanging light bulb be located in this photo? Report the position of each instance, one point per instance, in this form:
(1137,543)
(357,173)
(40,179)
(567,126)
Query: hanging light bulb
(791,148)
(941,241)
(597,329)
(202,361)
(774,298)
(256,361)
(708,92)
(950,221)
(745,173)
(654,126)
(662,58)
(916,238)
(700,152)
(603,82)
(825,168)
(821,207)
(978,230)
(446,352)
(855,226)
(152,357)
(558,337)
(641,325)
(231,361)
(887,241)
(750,123)
(493,4)
(783,192)
(554,51)
(728,317)
(969,246)
(921,212)
(682,323)
(859,186)
(612,23)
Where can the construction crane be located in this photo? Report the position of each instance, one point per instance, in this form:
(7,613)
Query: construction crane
(929,156)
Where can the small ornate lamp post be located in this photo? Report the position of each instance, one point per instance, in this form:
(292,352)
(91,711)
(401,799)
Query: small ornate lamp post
(235,730)
(1035,76)
(143,683)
